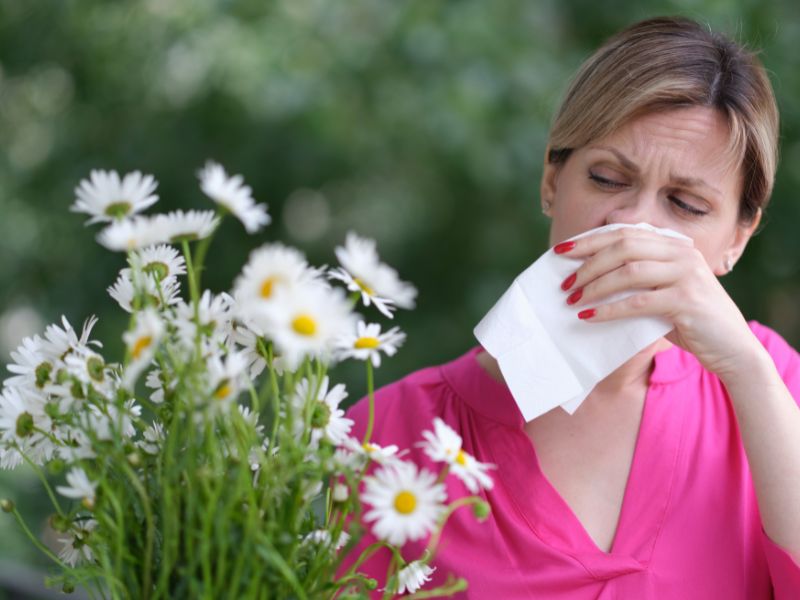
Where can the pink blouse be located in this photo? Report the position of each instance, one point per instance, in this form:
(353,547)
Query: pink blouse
(689,526)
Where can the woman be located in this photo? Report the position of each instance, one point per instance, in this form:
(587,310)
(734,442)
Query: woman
(679,475)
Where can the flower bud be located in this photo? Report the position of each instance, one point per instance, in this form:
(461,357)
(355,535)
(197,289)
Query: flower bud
(68,587)
(6,505)
(56,466)
(481,510)
(59,523)
(370,583)
(134,459)
(340,492)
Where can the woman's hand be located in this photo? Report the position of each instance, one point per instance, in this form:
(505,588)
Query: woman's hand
(670,279)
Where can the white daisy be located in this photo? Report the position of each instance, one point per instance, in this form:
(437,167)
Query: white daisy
(77,445)
(368,342)
(248,341)
(124,290)
(155,381)
(377,282)
(227,378)
(353,453)
(141,343)
(32,366)
(132,234)
(154,437)
(75,545)
(214,315)
(191,225)
(323,538)
(233,196)
(305,322)
(89,368)
(406,503)
(59,341)
(269,268)
(21,414)
(251,418)
(159,262)
(107,198)
(411,577)
(79,488)
(326,418)
(443,444)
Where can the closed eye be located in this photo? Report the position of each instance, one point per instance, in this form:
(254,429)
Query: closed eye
(680,204)
(605,182)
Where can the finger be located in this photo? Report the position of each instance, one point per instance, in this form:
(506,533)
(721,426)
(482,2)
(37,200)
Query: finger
(650,303)
(623,251)
(590,244)
(636,275)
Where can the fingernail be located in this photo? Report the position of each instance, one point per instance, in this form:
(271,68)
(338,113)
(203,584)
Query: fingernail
(563,247)
(569,282)
(587,314)
(575,296)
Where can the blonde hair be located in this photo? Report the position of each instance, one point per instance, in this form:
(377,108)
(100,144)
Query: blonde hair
(667,63)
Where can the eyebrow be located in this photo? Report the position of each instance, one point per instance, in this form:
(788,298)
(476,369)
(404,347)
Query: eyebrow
(678,179)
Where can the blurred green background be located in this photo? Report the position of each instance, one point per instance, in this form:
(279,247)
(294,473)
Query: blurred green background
(421,124)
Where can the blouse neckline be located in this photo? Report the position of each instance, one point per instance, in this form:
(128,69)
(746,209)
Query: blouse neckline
(539,504)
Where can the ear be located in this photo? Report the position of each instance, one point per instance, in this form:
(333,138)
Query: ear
(741,236)
(547,190)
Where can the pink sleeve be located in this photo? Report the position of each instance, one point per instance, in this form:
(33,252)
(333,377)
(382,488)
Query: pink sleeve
(783,569)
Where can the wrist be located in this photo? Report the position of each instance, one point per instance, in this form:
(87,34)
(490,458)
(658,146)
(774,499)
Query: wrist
(753,365)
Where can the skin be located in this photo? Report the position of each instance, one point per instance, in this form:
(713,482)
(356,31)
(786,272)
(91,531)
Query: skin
(639,174)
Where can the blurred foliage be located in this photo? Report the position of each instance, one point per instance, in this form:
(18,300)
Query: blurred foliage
(419,123)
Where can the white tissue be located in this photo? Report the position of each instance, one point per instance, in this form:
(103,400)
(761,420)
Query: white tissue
(547,355)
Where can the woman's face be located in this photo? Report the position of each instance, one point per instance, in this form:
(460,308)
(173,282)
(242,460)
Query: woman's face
(666,169)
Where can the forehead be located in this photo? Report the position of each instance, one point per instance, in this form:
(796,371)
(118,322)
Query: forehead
(696,140)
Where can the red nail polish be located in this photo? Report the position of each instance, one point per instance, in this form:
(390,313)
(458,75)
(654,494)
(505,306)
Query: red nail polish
(563,247)
(587,314)
(569,282)
(575,296)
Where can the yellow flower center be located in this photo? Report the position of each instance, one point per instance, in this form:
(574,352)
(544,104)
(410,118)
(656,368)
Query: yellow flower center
(367,290)
(223,390)
(304,325)
(461,458)
(405,502)
(141,345)
(267,287)
(369,447)
(367,342)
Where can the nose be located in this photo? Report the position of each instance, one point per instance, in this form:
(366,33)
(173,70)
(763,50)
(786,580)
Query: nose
(636,207)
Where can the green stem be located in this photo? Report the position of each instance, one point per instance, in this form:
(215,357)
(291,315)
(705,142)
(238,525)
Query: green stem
(369,551)
(202,247)
(450,587)
(43,479)
(194,290)
(35,541)
(371,392)
(150,534)
(433,543)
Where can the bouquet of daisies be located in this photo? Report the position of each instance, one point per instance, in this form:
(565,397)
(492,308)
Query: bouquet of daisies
(214,459)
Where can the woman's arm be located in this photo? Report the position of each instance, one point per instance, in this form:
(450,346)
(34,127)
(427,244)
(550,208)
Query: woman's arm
(769,423)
